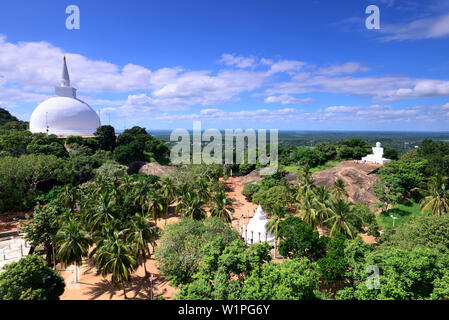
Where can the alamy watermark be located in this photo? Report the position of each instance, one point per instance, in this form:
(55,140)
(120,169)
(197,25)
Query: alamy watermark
(73,20)
(212,153)
(373,20)
(372,281)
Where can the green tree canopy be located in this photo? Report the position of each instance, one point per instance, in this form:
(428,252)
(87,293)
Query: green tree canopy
(42,228)
(404,274)
(299,240)
(49,145)
(14,142)
(106,137)
(224,268)
(403,176)
(270,198)
(22,178)
(295,279)
(428,231)
(333,266)
(30,279)
(307,156)
(181,246)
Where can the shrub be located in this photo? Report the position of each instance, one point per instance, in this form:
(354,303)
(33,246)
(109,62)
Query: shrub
(30,279)
(249,190)
(23,177)
(269,198)
(111,172)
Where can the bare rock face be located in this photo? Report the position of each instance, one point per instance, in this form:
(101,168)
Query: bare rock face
(359,179)
(251,177)
(142,167)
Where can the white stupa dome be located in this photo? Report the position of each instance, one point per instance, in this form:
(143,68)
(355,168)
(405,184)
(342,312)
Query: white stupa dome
(64,115)
(256,231)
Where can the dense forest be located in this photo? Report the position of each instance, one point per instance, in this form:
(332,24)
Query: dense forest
(82,203)
(400,141)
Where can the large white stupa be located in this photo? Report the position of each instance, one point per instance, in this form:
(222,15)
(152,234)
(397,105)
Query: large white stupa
(377,156)
(255,231)
(64,115)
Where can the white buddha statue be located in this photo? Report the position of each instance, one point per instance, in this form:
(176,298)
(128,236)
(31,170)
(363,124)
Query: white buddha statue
(376,156)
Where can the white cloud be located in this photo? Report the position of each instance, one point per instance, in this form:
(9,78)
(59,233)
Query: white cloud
(222,115)
(37,66)
(238,61)
(427,28)
(379,88)
(348,67)
(286,99)
(289,66)
(422,88)
(369,114)
(101,102)
(203,88)
(29,70)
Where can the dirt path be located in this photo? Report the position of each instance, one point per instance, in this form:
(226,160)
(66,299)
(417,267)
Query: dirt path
(244,210)
(93,286)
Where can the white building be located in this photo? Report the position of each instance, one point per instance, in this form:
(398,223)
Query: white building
(64,114)
(255,231)
(376,156)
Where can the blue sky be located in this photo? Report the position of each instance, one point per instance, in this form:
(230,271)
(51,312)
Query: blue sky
(304,65)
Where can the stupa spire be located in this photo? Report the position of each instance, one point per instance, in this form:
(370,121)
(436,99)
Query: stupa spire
(65,90)
(65,75)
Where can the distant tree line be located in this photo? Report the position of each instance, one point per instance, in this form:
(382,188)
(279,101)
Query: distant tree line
(322,152)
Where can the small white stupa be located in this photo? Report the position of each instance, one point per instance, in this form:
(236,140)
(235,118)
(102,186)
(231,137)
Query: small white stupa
(376,156)
(255,231)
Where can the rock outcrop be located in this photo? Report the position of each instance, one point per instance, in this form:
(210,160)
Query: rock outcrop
(142,167)
(359,179)
(251,177)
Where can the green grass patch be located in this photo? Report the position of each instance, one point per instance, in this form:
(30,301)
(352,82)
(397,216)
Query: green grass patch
(403,212)
(292,168)
(327,165)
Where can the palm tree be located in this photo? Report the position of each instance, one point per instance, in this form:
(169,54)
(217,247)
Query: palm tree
(308,211)
(100,185)
(339,190)
(100,236)
(190,206)
(168,195)
(104,211)
(141,234)
(222,206)
(69,196)
(321,195)
(154,203)
(73,244)
(115,257)
(436,196)
(203,187)
(126,184)
(141,191)
(306,183)
(340,212)
(276,215)
(320,202)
